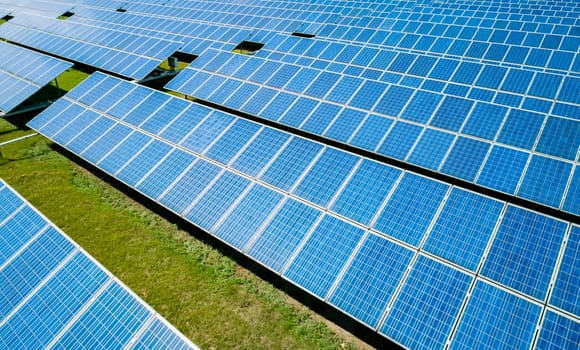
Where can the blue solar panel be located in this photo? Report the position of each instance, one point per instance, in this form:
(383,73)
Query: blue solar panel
(284,171)
(409,211)
(371,279)
(166,172)
(280,238)
(365,191)
(208,208)
(465,158)
(525,242)
(23,73)
(114,305)
(252,211)
(189,186)
(54,295)
(265,196)
(463,228)
(160,335)
(400,140)
(142,162)
(451,113)
(503,169)
(558,332)
(87,44)
(323,256)
(521,129)
(496,319)
(425,310)
(560,137)
(545,180)
(428,152)
(566,294)
(572,203)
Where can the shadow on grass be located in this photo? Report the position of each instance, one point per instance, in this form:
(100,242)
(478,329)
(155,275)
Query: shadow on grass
(327,311)
(19,121)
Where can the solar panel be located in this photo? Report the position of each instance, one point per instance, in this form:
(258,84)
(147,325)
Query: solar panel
(442,131)
(53,294)
(23,73)
(512,329)
(130,55)
(326,219)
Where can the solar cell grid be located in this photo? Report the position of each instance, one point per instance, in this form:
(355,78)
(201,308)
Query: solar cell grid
(455,114)
(525,241)
(430,286)
(449,66)
(55,295)
(20,81)
(87,44)
(510,320)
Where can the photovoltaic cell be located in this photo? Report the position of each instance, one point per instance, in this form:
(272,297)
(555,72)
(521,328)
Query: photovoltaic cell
(365,191)
(560,137)
(525,242)
(55,295)
(167,171)
(425,310)
(290,163)
(463,229)
(370,280)
(566,294)
(249,214)
(283,234)
(572,203)
(558,332)
(545,180)
(399,220)
(503,169)
(429,150)
(465,158)
(219,197)
(495,319)
(114,305)
(324,254)
(326,175)
(189,186)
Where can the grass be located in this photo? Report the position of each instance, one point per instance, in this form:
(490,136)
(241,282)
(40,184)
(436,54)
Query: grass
(210,298)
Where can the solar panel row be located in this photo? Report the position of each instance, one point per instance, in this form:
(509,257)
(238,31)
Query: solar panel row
(478,34)
(23,77)
(377,242)
(126,54)
(459,29)
(471,139)
(54,295)
(33,6)
(196,36)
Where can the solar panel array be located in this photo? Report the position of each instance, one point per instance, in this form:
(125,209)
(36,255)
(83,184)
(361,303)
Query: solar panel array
(445,86)
(130,55)
(424,263)
(458,133)
(482,94)
(54,295)
(23,73)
